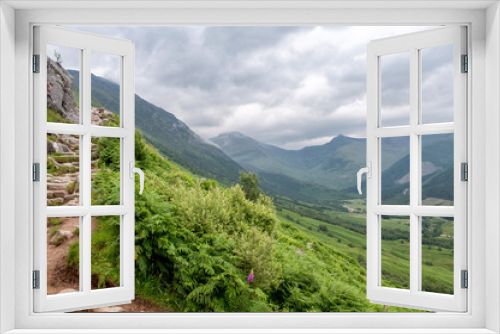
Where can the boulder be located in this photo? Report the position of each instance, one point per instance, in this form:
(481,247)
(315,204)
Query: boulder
(60,91)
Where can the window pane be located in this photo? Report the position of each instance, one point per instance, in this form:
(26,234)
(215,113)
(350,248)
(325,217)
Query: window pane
(105,83)
(395,89)
(437,84)
(437,254)
(63,96)
(395,160)
(63,170)
(396,251)
(63,255)
(437,170)
(106,171)
(105,254)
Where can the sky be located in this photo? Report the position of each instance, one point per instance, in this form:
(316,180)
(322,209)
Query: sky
(287,86)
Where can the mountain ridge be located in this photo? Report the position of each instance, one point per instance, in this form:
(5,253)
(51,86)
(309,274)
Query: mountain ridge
(330,165)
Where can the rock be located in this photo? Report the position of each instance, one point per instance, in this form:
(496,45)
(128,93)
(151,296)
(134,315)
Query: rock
(68,198)
(50,147)
(67,290)
(60,91)
(60,235)
(63,148)
(56,194)
(108,309)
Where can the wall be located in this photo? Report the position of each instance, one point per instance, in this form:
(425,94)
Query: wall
(7,160)
(492,164)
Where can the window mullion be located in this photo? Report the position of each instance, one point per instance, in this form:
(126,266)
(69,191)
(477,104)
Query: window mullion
(86,172)
(414,171)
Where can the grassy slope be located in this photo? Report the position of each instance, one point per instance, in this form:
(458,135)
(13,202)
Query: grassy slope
(437,261)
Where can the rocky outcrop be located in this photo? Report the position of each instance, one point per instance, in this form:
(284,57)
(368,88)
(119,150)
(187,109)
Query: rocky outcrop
(60,91)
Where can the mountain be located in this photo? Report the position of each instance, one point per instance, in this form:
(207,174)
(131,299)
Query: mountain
(168,134)
(332,165)
(437,172)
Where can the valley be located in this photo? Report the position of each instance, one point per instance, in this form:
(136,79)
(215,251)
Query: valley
(199,235)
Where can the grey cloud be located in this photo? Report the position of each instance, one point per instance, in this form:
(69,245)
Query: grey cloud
(206,76)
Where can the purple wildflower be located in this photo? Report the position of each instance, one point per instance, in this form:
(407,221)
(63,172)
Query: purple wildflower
(250,277)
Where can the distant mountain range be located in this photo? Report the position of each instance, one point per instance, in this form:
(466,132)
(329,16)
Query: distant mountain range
(168,134)
(332,165)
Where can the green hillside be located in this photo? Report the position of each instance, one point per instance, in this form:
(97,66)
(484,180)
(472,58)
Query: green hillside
(198,241)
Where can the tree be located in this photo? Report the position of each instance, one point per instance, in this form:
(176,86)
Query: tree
(250,185)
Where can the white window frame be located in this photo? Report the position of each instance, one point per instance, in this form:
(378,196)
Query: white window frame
(86,44)
(483,102)
(415,210)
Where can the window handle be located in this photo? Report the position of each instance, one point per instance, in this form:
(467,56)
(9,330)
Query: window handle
(368,171)
(134,170)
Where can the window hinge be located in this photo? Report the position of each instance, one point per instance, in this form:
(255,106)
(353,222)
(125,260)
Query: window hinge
(36,172)
(36,279)
(465,279)
(36,63)
(465,64)
(464,167)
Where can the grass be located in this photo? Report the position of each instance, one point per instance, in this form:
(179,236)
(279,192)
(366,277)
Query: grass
(53,231)
(54,222)
(54,117)
(437,265)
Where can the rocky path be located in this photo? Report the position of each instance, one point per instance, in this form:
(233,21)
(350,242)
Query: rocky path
(63,181)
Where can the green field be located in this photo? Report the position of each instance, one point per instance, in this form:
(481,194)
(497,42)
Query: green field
(346,232)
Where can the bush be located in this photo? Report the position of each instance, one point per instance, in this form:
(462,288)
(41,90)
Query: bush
(250,185)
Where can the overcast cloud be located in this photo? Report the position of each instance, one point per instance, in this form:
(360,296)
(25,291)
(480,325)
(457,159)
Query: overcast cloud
(287,86)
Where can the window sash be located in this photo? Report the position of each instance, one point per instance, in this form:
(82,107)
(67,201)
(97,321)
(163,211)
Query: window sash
(414,298)
(86,297)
